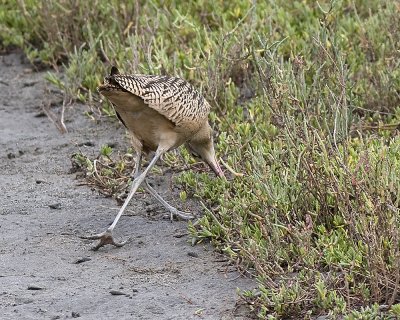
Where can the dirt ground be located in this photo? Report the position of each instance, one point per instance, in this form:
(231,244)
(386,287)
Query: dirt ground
(46,270)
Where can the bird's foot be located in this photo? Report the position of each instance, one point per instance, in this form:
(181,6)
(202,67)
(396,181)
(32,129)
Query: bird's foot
(105,238)
(183,215)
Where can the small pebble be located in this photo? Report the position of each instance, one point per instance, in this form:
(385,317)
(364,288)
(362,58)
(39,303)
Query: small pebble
(40,114)
(112,144)
(193,254)
(180,235)
(81,260)
(87,144)
(29,84)
(55,206)
(118,293)
(34,287)
(75,314)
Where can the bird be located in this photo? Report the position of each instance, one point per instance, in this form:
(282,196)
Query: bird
(161,113)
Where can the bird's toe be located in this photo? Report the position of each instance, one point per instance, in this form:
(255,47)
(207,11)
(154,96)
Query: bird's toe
(180,214)
(105,238)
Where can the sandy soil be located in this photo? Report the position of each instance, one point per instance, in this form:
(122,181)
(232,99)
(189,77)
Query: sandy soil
(46,270)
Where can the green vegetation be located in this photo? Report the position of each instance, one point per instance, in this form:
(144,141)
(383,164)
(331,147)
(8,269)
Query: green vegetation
(306,99)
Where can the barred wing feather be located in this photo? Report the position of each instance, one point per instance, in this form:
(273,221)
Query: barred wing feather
(172,97)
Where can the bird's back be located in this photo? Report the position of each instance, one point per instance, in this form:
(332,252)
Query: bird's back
(173,97)
(156,108)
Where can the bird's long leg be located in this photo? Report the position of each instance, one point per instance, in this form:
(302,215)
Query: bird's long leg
(173,211)
(106,237)
(138,163)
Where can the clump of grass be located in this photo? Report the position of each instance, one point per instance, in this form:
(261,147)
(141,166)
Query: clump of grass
(306,99)
(111,175)
(111,171)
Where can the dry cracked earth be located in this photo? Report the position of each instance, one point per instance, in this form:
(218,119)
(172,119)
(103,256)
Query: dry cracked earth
(46,270)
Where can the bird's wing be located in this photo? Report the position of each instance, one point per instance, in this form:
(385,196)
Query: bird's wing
(173,97)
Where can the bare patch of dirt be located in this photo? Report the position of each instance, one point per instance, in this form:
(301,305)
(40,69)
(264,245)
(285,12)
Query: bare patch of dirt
(46,270)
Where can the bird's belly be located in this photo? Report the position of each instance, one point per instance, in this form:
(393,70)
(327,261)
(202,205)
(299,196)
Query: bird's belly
(150,128)
(145,130)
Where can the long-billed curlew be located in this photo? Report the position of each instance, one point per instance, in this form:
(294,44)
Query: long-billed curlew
(161,113)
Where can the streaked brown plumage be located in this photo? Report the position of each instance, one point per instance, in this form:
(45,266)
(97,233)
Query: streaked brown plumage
(161,113)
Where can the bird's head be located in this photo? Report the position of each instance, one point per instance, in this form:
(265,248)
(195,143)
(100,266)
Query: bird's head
(109,85)
(202,144)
